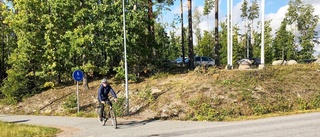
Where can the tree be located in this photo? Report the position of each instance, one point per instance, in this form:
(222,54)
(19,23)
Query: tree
(209,4)
(190,36)
(238,47)
(26,59)
(224,47)
(302,16)
(268,40)
(205,44)
(253,14)
(244,16)
(2,53)
(182,32)
(284,48)
(196,22)
(7,40)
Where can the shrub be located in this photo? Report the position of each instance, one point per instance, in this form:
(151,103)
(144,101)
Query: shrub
(119,107)
(160,75)
(48,85)
(146,94)
(70,104)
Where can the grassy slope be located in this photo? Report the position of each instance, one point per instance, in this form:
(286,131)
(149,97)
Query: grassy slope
(197,95)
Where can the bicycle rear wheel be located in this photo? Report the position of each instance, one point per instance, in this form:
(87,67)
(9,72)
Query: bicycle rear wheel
(102,120)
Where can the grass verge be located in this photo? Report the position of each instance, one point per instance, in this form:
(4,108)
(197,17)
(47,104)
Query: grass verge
(22,130)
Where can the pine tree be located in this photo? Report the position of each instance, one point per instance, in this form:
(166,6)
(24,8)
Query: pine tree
(302,17)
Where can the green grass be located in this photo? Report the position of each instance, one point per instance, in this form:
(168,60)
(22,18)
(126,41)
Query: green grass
(22,130)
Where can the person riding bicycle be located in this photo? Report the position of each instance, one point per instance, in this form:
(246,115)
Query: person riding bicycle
(104,90)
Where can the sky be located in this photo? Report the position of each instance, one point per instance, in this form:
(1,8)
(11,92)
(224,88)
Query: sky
(274,10)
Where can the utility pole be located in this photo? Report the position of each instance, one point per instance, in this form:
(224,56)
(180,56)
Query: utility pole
(229,37)
(125,58)
(261,66)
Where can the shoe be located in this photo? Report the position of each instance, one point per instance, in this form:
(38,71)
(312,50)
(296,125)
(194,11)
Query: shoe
(101,118)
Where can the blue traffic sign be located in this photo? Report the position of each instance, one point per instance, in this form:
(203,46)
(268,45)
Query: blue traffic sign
(77,75)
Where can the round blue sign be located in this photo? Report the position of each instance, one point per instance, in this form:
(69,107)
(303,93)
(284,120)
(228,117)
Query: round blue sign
(77,75)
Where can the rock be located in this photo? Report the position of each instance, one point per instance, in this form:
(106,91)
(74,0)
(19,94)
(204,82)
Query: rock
(292,62)
(243,67)
(279,62)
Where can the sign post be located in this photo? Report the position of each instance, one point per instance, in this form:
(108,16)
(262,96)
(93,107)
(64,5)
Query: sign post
(77,76)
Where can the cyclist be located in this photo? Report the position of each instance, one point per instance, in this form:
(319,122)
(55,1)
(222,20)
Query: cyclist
(104,90)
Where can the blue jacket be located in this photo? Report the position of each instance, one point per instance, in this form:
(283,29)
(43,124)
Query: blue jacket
(104,91)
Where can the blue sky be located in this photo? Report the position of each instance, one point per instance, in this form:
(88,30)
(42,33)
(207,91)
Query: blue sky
(275,11)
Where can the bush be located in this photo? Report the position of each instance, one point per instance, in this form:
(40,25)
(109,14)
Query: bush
(71,104)
(146,95)
(48,85)
(119,107)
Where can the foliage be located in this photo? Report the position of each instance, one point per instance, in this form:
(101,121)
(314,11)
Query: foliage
(48,85)
(119,107)
(160,75)
(70,104)
(284,48)
(146,95)
(45,41)
(208,6)
(196,18)
(223,39)
(303,18)
(120,72)
(206,45)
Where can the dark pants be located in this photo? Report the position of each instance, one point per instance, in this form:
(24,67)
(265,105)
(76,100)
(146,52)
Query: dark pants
(101,105)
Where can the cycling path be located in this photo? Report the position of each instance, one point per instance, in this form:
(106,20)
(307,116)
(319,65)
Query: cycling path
(302,125)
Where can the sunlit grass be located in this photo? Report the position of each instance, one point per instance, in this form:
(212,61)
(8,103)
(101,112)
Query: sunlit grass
(22,130)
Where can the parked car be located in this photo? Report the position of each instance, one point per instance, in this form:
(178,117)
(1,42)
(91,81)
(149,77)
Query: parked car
(204,61)
(179,60)
(256,61)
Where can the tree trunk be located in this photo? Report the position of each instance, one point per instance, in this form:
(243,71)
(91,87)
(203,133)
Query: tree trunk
(2,62)
(182,34)
(85,75)
(216,31)
(252,37)
(58,80)
(153,54)
(191,52)
(150,16)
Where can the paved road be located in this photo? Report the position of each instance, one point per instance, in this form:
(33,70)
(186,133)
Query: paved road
(302,125)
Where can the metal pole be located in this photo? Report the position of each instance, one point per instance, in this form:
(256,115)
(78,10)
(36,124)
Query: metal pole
(125,58)
(78,102)
(228,33)
(261,66)
(231,35)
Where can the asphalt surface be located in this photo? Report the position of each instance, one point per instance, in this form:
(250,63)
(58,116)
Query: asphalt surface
(302,125)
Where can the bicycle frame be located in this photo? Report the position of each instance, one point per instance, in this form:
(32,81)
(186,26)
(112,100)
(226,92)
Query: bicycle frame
(111,115)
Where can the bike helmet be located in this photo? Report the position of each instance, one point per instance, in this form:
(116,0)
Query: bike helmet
(104,80)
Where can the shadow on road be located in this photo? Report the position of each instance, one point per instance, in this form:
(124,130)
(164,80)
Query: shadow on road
(19,121)
(127,124)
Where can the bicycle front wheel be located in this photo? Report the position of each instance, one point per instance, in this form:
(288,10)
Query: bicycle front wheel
(113,119)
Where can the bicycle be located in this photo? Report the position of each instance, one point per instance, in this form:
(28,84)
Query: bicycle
(107,113)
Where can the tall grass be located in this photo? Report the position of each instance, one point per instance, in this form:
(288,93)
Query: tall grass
(22,130)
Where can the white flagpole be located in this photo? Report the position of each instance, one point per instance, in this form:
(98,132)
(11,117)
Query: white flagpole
(261,66)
